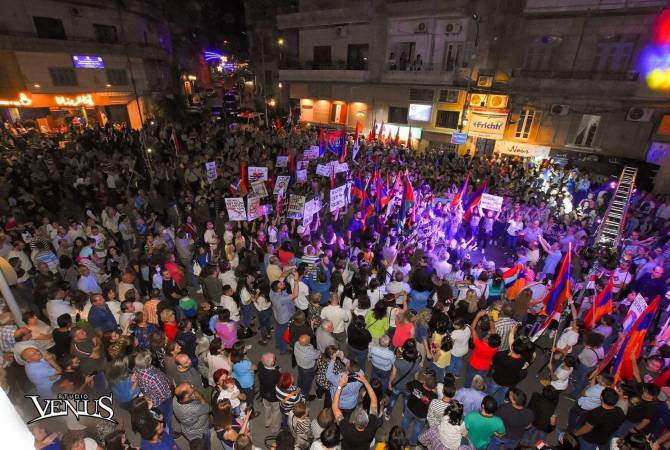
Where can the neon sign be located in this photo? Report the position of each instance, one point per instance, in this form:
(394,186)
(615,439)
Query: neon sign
(81,100)
(654,60)
(22,101)
(88,62)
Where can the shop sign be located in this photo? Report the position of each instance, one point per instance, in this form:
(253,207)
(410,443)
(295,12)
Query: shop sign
(487,125)
(23,100)
(521,149)
(80,100)
(88,62)
(459,138)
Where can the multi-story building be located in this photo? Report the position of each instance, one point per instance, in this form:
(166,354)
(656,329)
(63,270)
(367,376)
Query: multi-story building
(526,77)
(61,60)
(577,81)
(407,63)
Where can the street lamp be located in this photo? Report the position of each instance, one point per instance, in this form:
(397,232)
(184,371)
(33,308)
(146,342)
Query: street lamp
(272,102)
(280,41)
(280,85)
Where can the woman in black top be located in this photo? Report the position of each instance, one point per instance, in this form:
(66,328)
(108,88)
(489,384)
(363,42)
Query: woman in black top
(358,340)
(543,406)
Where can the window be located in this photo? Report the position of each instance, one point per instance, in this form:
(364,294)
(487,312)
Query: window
(524,123)
(447,119)
(322,56)
(63,76)
(117,77)
(105,33)
(449,96)
(49,28)
(357,57)
(421,95)
(541,52)
(397,114)
(588,128)
(613,53)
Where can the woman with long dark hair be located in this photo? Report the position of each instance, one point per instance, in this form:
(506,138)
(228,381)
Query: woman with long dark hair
(358,341)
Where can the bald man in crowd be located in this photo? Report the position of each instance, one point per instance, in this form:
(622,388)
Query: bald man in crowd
(306,357)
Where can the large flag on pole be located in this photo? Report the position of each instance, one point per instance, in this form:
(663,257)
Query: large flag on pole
(474,200)
(632,343)
(243,178)
(322,143)
(601,305)
(175,142)
(558,295)
(458,197)
(408,200)
(335,141)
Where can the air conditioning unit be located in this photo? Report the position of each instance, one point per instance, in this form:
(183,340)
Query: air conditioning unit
(636,114)
(559,110)
(421,27)
(453,28)
(484,81)
(478,100)
(74,12)
(341,32)
(497,101)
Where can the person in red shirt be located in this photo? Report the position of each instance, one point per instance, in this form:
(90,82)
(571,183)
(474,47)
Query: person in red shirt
(483,352)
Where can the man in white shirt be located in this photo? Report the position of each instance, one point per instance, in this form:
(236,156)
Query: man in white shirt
(301,301)
(57,306)
(621,277)
(398,285)
(228,302)
(18,252)
(340,318)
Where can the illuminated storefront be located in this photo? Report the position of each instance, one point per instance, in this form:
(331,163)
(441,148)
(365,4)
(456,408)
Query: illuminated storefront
(50,111)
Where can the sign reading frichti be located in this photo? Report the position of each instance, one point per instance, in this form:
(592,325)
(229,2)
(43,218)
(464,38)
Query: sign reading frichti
(489,125)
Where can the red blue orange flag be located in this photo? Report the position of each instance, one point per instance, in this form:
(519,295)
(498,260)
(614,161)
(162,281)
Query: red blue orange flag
(558,295)
(632,343)
(458,197)
(601,305)
(474,200)
(512,274)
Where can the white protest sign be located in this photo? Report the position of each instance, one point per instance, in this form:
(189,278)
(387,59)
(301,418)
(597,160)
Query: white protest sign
(301,175)
(491,202)
(210,169)
(311,152)
(296,206)
(636,309)
(253,205)
(341,167)
(236,210)
(259,188)
(338,198)
(323,169)
(282,161)
(311,207)
(303,164)
(258,173)
(281,184)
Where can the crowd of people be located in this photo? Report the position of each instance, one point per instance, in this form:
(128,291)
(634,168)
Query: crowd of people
(398,325)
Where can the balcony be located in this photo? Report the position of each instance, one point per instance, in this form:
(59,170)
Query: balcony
(615,84)
(565,6)
(577,75)
(352,72)
(325,17)
(425,74)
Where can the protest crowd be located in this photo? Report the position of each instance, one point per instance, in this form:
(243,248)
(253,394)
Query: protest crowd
(391,298)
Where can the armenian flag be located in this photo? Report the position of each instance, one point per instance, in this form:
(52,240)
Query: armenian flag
(559,293)
(512,274)
(322,143)
(601,305)
(458,197)
(243,178)
(474,200)
(335,141)
(632,343)
(408,200)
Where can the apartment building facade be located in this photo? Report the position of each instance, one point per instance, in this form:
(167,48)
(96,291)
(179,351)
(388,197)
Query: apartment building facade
(534,77)
(70,60)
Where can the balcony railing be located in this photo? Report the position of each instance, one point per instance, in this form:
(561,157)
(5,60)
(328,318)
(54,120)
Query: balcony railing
(577,75)
(326,65)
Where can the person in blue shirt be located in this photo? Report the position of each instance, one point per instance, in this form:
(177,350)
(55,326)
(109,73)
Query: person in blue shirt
(283,307)
(243,371)
(153,433)
(100,317)
(321,285)
(349,394)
